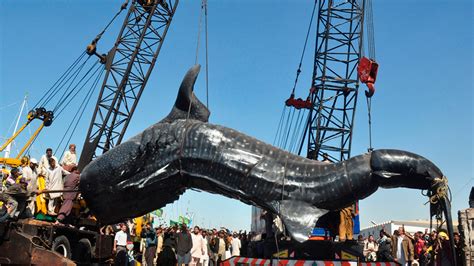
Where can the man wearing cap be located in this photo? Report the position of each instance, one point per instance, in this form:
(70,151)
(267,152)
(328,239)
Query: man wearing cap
(198,246)
(30,176)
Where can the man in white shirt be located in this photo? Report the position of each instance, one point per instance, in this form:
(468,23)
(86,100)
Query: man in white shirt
(205,255)
(120,246)
(236,245)
(30,175)
(54,181)
(69,158)
(44,162)
(198,246)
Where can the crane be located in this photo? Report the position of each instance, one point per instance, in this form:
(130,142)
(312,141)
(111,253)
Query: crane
(128,66)
(335,81)
(338,68)
(36,114)
(325,120)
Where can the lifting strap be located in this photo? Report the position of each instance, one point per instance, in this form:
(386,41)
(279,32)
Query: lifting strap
(203,11)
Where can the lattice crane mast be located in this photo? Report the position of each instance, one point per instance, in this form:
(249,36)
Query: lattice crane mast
(335,82)
(128,66)
(338,68)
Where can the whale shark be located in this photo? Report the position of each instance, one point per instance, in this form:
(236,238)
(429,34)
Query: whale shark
(184,151)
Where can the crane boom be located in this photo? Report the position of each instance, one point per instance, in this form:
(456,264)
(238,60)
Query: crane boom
(128,66)
(335,82)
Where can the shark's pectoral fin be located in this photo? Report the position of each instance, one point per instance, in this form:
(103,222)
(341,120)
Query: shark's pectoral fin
(299,217)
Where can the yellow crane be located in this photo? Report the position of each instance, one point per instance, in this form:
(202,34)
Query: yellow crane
(38,113)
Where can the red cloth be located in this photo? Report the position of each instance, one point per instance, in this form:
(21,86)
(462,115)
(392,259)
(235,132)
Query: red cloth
(419,247)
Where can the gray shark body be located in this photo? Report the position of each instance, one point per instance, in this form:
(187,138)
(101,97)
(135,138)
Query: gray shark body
(183,151)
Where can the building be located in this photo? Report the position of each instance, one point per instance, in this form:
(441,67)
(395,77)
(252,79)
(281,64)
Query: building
(410,227)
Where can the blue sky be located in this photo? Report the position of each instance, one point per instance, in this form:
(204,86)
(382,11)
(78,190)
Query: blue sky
(423,103)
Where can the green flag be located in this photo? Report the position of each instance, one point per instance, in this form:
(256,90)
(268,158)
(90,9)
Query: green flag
(173,223)
(158,213)
(183,220)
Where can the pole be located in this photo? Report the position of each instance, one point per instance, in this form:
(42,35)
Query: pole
(7,150)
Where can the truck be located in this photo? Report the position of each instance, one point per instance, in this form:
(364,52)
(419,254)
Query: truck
(42,242)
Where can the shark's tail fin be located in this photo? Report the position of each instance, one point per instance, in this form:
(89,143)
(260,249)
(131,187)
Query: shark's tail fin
(186,98)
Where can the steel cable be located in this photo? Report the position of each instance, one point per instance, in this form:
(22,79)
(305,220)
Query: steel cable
(80,111)
(53,90)
(279,125)
(68,99)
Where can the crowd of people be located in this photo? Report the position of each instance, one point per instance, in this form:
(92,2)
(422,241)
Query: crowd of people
(34,179)
(175,245)
(421,248)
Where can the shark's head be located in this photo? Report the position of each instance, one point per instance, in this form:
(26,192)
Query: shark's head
(126,181)
(396,168)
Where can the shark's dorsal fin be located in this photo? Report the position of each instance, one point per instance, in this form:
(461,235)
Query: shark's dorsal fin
(186,97)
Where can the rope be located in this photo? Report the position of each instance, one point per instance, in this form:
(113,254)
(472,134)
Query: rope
(370,29)
(369,113)
(296,130)
(441,185)
(279,125)
(203,7)
(199,32)
(207,56)
(284,128)
(289,128)
(279,205)
(203,11)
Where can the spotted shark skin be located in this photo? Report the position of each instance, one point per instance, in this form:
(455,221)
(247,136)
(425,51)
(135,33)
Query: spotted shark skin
(184,151)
